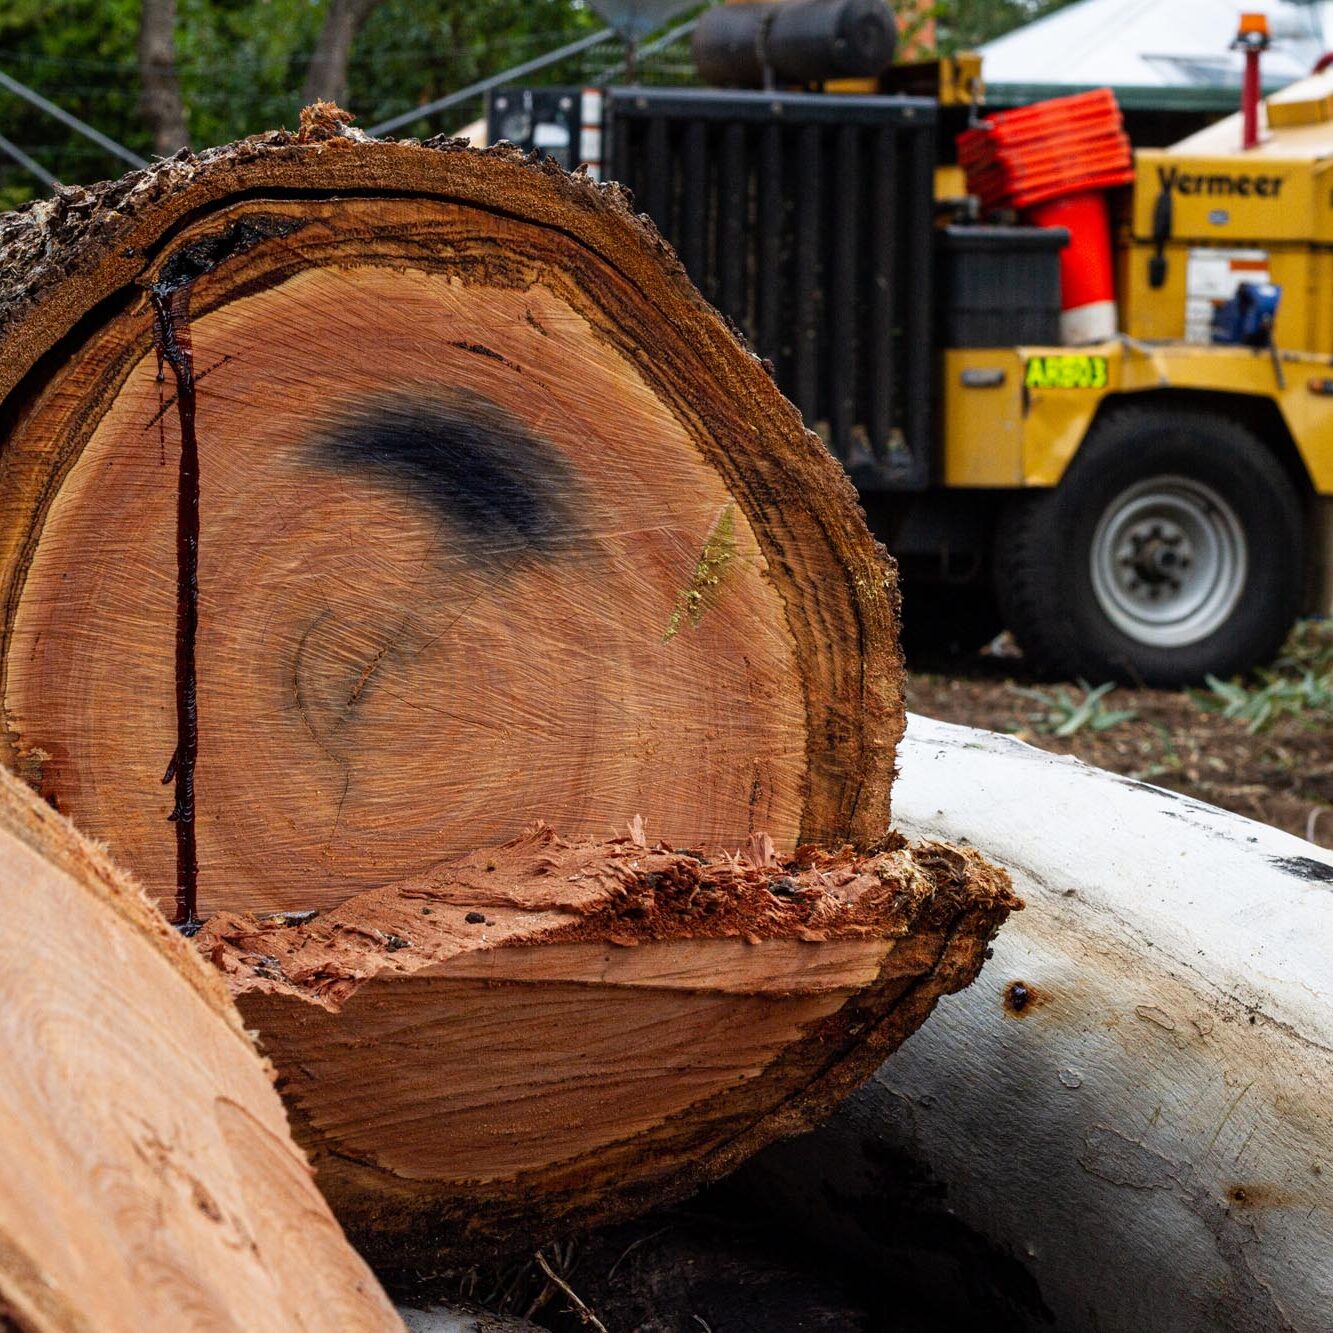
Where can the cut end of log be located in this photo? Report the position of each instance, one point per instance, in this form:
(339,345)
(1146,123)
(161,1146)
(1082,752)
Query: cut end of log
(550,1034)
(411,479)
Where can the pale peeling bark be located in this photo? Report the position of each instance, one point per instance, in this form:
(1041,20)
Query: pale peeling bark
(1126,1124)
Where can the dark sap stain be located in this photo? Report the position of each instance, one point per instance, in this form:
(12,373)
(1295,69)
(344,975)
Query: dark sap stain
(170,298)
(1304,867)
(504,487)
(172,334)
(204,255)
(1020,997)
(480,349)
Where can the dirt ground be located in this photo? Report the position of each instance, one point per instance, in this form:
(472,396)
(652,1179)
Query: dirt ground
(715,1264)
(1281,775)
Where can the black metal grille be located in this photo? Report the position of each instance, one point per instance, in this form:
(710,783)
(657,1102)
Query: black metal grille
(807,220)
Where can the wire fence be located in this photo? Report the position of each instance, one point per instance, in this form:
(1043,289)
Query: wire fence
(245,91)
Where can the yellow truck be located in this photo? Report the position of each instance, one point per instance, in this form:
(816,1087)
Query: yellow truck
(1166,507)
(1152,507)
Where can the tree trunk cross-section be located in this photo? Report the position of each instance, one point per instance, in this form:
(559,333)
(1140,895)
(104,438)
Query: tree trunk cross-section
(147,1176)
(497,521)
(547,1035)
(362,503)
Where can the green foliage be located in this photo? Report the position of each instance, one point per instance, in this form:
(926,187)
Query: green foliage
(80,54)
(963,25)
(1065,713)
(1299,684)
(411,52)
(1259,706)
(241,65)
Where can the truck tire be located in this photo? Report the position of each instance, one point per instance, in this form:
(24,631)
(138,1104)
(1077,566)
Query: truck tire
(1173,548)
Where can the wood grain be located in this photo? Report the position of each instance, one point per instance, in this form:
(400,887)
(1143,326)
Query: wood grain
(546,1035)
(498,521)
(149,1178)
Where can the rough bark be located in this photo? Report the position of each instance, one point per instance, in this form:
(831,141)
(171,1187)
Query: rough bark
(547,1035)
(326,79)
(146,1163)
(498,521)
(1125,1123)
(160,101)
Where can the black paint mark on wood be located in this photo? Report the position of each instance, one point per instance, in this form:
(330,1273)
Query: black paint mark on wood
(1306,868)
(504,487)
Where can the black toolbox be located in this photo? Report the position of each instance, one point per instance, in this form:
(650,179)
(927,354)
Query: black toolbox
(998,286)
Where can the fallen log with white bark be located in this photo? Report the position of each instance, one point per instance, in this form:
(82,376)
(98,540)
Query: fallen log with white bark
(1128,1124)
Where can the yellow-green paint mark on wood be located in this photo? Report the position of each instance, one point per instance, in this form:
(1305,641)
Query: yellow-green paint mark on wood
(713,560)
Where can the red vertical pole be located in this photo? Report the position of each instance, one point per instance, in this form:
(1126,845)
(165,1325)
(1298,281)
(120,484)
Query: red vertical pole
(1249,99)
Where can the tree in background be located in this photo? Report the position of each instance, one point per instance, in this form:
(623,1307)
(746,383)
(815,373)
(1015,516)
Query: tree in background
(327,76)
(160,101)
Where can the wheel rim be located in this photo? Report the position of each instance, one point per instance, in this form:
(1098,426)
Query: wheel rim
(1169,559)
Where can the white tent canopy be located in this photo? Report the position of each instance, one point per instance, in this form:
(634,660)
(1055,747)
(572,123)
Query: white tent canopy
(1158,44)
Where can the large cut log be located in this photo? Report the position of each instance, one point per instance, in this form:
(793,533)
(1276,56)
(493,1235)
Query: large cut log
(548,1035)
(362,503)
(147,1176)
(1126,1124)
(387,496)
